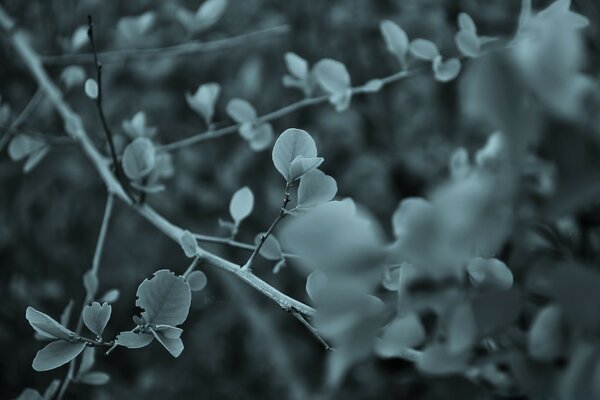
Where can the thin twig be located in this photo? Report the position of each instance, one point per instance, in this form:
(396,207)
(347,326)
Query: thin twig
(264,236)
(89,296)
(191,268)
(23,115)
(233,243)
(290,108)
(312,330)
(166,51)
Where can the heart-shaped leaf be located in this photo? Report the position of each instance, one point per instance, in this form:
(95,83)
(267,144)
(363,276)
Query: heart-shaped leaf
(203,101)
(56,354)
(165,299)
(302,165)
(289,145)
(47,326)
(241,204)
(315,188)
(139,158)
(446,71)
(96,316)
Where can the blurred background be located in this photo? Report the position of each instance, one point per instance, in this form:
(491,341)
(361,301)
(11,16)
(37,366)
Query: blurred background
(386,146)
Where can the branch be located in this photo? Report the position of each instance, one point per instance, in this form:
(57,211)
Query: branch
(233,243)
(167,51)
(23,115)
(76,129)
(89,296)
(304,103)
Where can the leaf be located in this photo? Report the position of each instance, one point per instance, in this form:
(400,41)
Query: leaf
(271,249)
(188,244)
(94,378)
(259,136)
(52,389)
(404,332)
(203,101)
(315,284)
(241,204)
(111,296)
(296,65)
(91,89)
(46,326)
(22,145)
(315,188)
(174,345)
(88,359)
(241,111)
(72,76)
(197,281)
(332,76)
(466,24)
(133,340)
(445,71)
(139,158)
(468,43)
(165,299)
(35,158)
(56,354)
(546,339)
(170,332)
(436,360)
(137,126)
(131,29)
(489,274)
(96,316)
(341,100)
(462,329)
(395,39)
(289,145)
(65,316)
(30,394)
(210,12)
(424,49)
(302,165)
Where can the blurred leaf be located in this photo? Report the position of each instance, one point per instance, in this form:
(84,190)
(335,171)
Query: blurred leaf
(424,49)
(446,71)
(203,101)
(88,359)
(196,280)
(52,389)
(90,283)
(79,38)
(139,158)
(489,274)
(35,158)
(137,126)
(332,75)
(165,298)
(132,29)
(189,244)
(315,188)
(302,165)
(94,378)
(21,146)
(468,43)
(462,329)
(65,316)
(46,326)
(241,111)
(91,89)
(210,12)
(271,249)
(372,86)
(296,65)
(72,76)
(241,204)
(315,283)
(465,23)
(545,339)
(404,332)
(437,360)
(110,296)
(30,394)
(395,39)
(289,145)
(56,354)
(96,316)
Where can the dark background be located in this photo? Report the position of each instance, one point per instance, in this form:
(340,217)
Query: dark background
(387,146)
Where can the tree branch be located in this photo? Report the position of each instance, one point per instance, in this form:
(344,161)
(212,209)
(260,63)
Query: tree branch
(76,129)
(167,51)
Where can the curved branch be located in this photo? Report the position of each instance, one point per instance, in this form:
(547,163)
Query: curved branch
(75,128)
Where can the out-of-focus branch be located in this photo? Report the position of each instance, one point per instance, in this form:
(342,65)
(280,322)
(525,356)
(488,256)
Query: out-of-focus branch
(167,51)
(23,115)
(290,108)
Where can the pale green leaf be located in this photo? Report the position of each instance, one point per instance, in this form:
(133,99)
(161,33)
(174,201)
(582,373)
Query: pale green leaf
(96,316)
(189,244)
(289,145)
(197,281)
(241,111)
(165,298)
(139,158)
(424,49)
(315,188)
(56,354)
(133,340)
(241,204)
(332,76)
(47,326)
